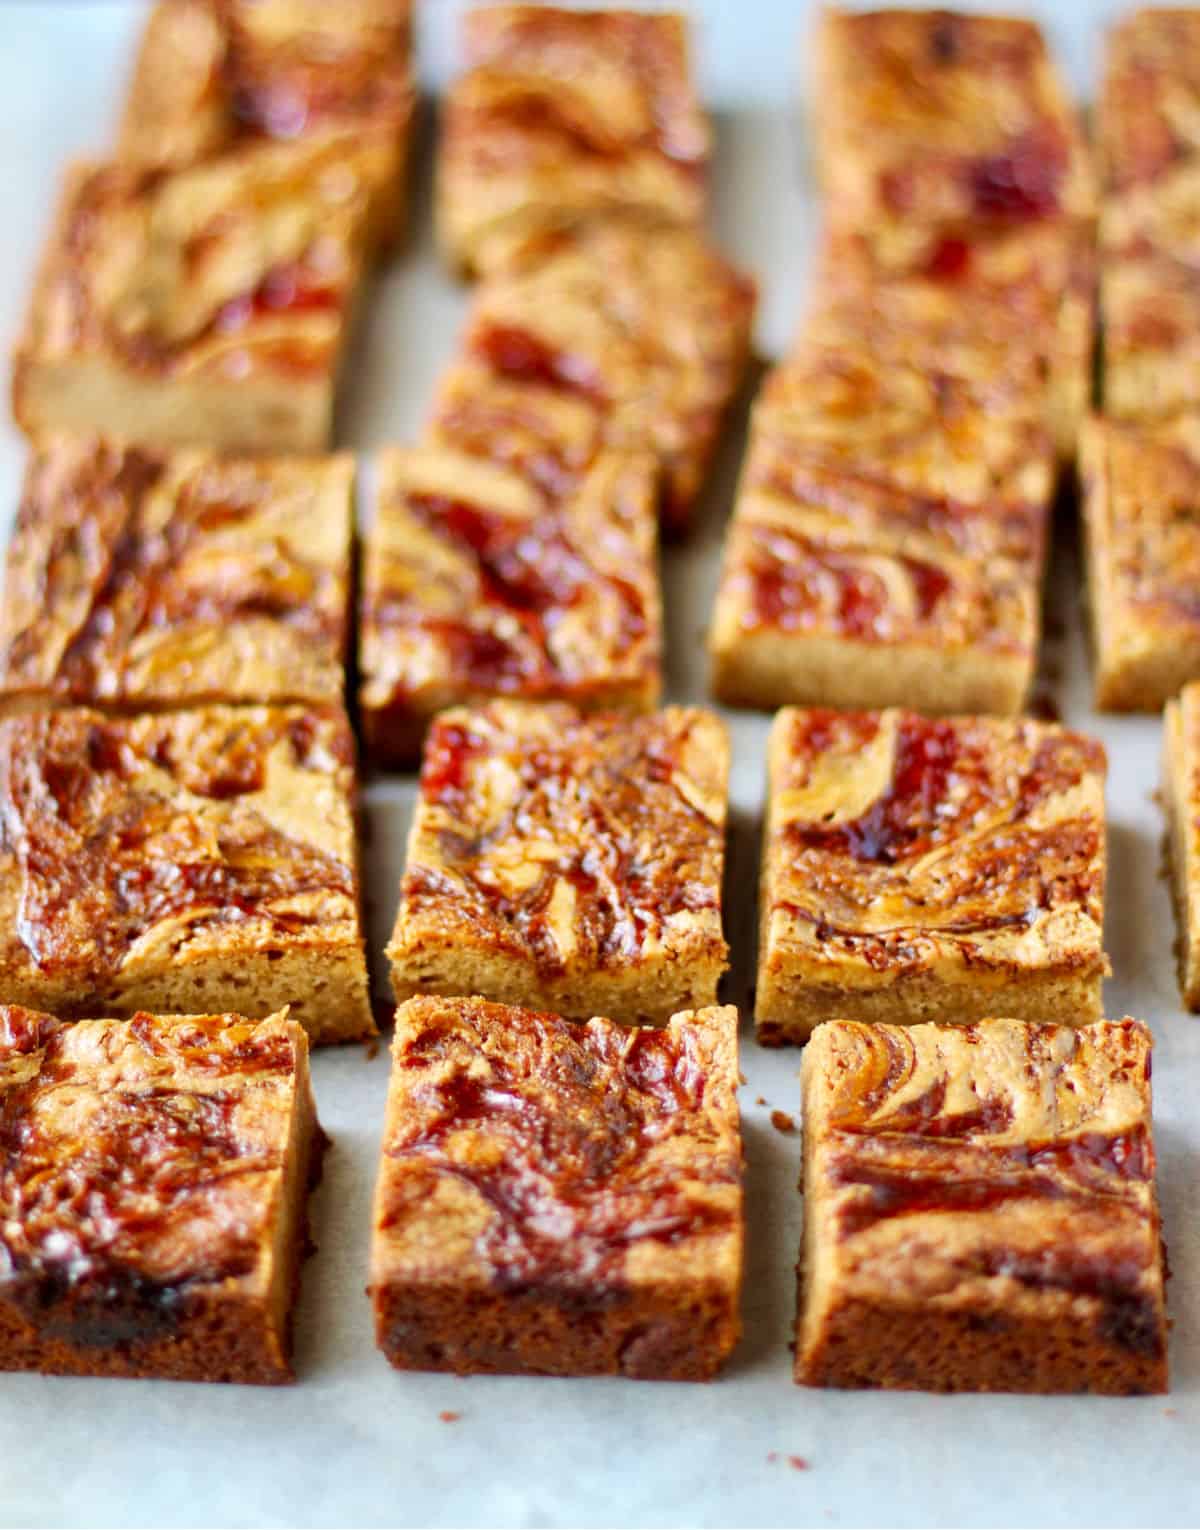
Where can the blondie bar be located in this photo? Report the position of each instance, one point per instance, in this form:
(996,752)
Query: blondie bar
(929,869)
(651,334)
(480,581)
(214,73)
(566,115)
(568,862)
(559,1199)
(142,580)
(182,861)
(936,116)
(153,1180)
(838,587)
(971,299)
(1181,799)
(1141,502)
(206,307)
(980,1209)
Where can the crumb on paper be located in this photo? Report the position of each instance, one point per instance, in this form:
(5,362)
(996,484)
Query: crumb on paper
(797,1463)
(782,1122)
(448,1416)
(1170,1413)
(371,1049)
(758,1100)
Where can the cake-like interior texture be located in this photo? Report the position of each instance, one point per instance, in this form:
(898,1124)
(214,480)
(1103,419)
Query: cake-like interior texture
(481,580)
(564,115)
(153,1179)
(137,578)
(568,861)
(933,116)
(980,1209)
(161,861)
(919,868)
(557,1198)
(651,333)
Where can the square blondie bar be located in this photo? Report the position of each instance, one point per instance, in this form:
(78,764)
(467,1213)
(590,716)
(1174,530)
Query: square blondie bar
(840,588)
(480,581)
(1181,801)
(566,115)
(651,334)
(559,1199)
(1141,508)
(929,869)
(568,862)
(214,73)
(153,1180)
(182,862)
(206,307)
(980,1212)
(937,116)
(143,580)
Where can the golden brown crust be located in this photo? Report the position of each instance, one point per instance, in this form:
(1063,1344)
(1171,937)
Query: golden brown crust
(937,116)
(198,855)
(149,1175)
(980,1209)
(563,115)
(212,74)
(1141,486)
(479,582)
(887,412)
(559,1198)
(230,281)
(650,334)
(959,857)
(568,860)
(141,579)
(1147,117)
(839,586)
(971,299)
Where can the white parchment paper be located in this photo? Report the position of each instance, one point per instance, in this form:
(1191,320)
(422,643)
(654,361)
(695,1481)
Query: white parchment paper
(355,1443)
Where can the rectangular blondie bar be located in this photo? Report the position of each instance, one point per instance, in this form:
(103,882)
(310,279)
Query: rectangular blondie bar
(141,580)
(481,580)
(1141,504)
(559,1199)
(214,73)
(980,1209)
(652,334)
(565,115)
(567,862)
(920,868)
(206,307)
(183,862)
(936,116)
(153,1180)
